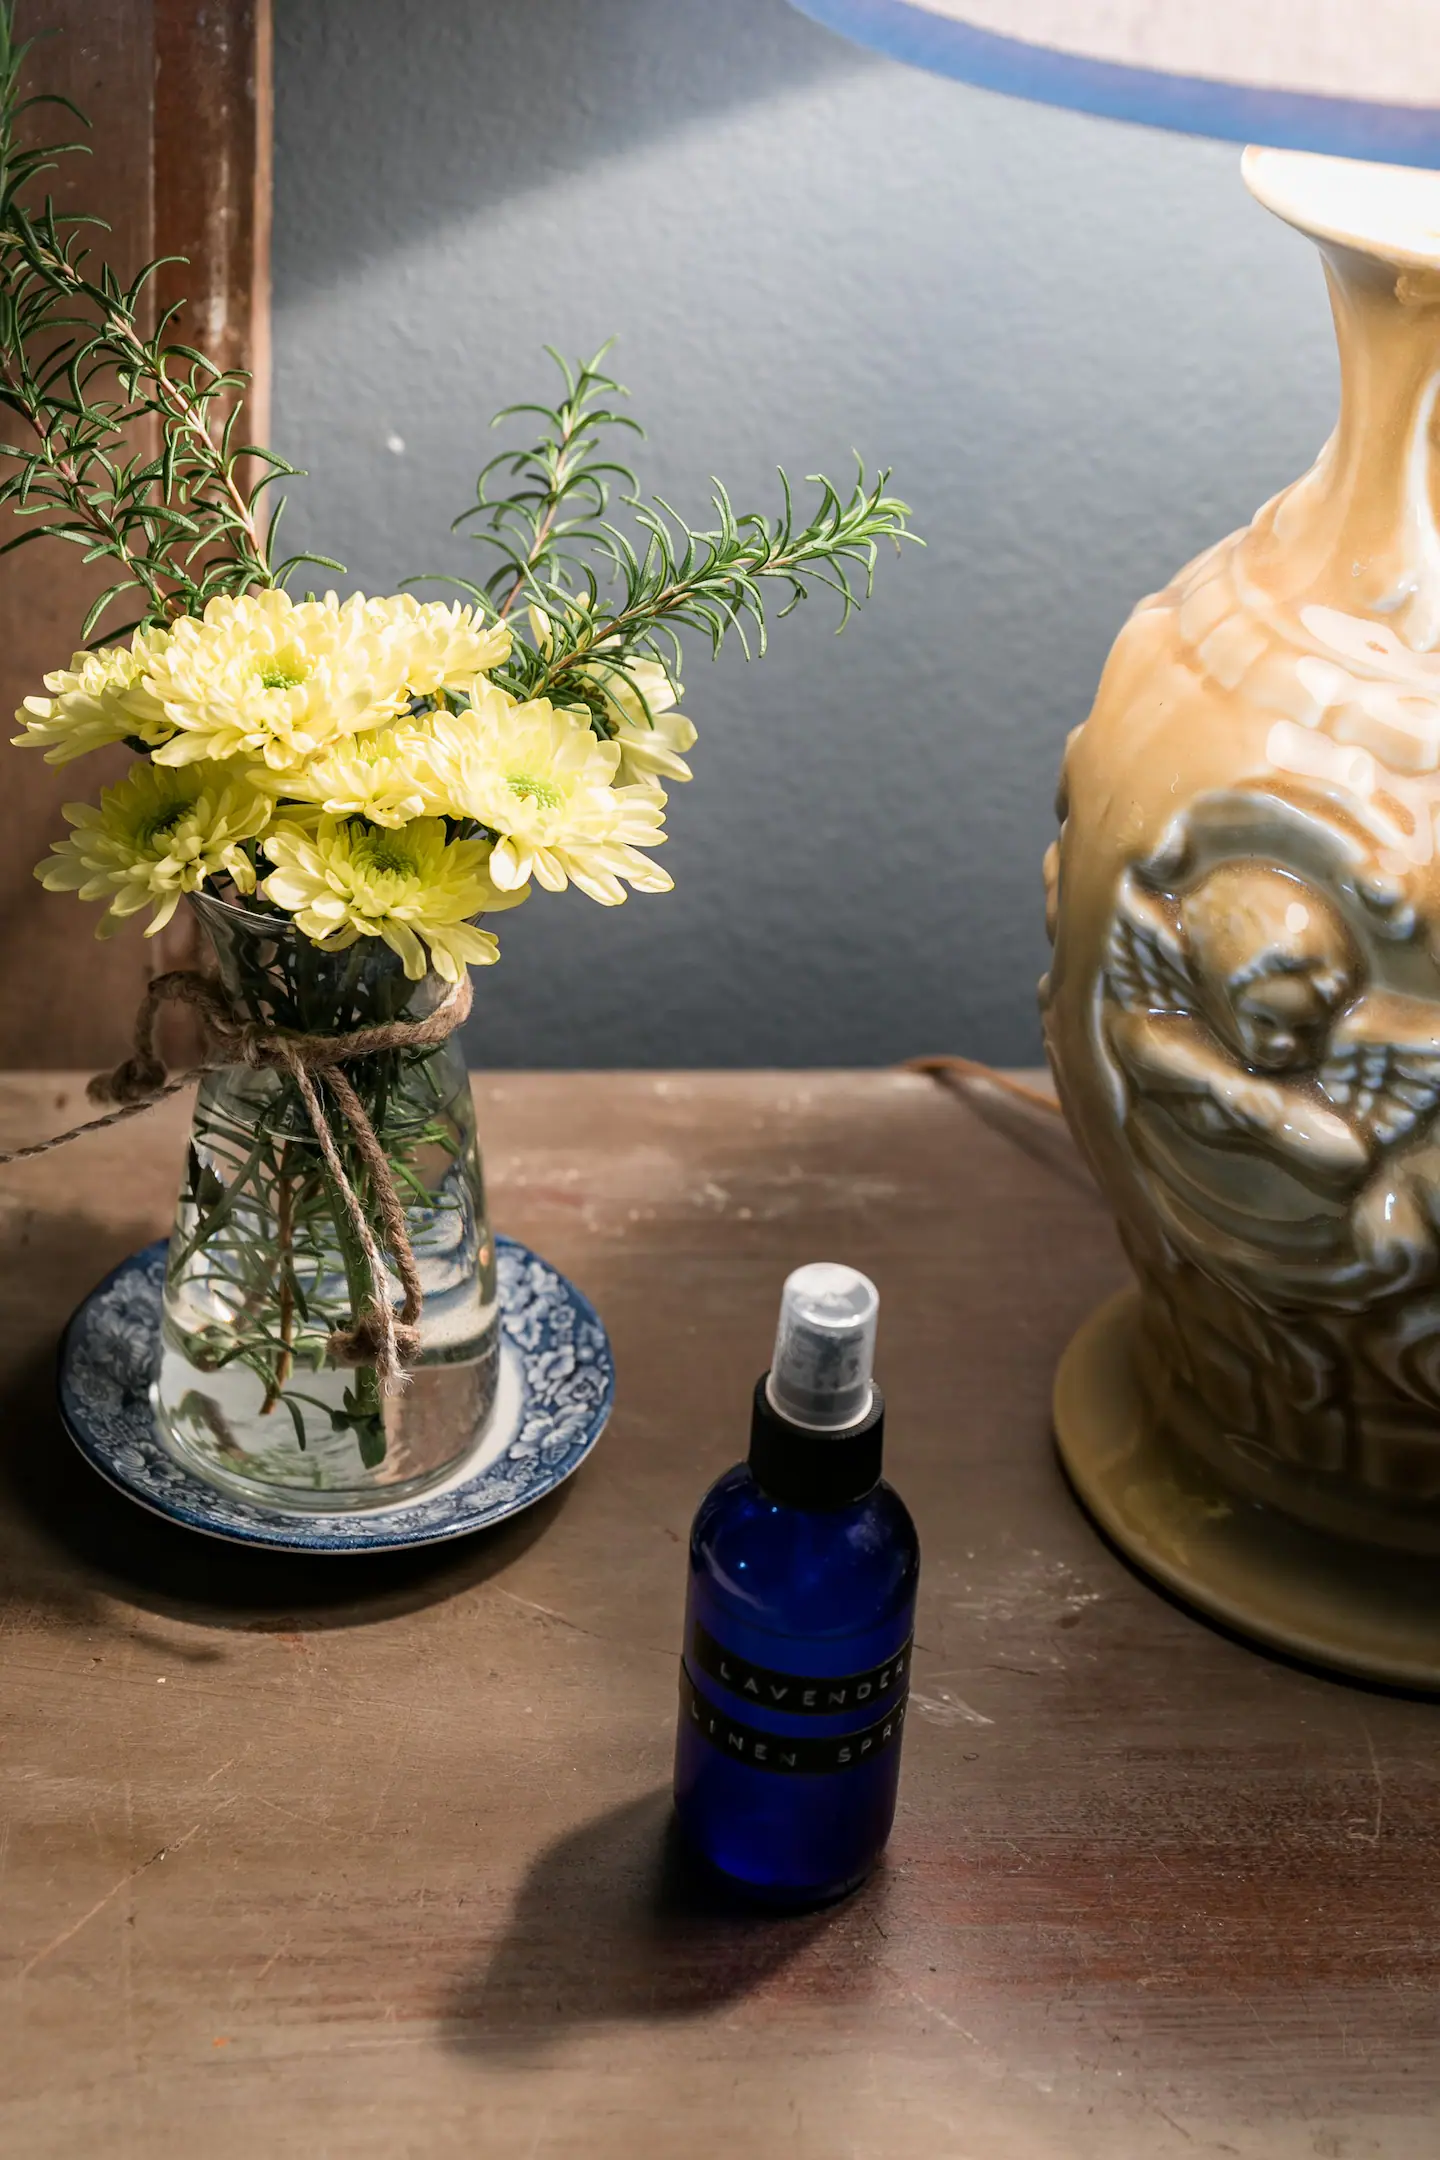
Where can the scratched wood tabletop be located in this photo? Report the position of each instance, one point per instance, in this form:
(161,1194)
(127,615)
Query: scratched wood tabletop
(360,1858)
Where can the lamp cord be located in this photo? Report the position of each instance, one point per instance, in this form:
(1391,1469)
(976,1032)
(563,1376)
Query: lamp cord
(944,1066)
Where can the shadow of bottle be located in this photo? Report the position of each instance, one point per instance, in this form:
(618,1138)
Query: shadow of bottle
(616,1921)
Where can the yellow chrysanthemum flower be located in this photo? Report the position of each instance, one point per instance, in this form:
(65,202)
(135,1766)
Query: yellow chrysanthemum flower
(264,677)
(344,879)
(385,776)
(646,728)
(261,676)
(540,778)
(91,703)
(638,711)
(157,834)
(436,646)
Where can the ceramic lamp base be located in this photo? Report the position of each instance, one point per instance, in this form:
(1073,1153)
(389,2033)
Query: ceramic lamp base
(1327,1599)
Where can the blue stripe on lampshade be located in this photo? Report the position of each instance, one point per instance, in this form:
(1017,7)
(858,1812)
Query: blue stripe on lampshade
(1189,104)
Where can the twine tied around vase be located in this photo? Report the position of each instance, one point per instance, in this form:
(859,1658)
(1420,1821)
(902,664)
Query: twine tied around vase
(377,1335)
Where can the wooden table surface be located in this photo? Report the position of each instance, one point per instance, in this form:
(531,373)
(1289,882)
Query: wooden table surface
(360,1858)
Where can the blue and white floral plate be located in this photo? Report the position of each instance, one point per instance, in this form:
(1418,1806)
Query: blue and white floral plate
(557,1382)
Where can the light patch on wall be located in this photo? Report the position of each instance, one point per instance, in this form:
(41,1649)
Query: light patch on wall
(1085,352)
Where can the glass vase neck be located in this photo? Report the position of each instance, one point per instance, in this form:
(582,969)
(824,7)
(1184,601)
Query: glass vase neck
(274,975)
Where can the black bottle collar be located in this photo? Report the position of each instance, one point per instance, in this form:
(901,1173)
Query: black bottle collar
(803,1468)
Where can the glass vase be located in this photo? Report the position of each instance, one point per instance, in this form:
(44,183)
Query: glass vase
(265,1265)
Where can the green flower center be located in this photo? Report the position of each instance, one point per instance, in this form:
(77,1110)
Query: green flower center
(163,824)
(280,674)
(387,854)
(530,789)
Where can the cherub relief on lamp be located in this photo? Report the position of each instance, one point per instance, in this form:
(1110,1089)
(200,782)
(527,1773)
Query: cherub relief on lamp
(1278,1108)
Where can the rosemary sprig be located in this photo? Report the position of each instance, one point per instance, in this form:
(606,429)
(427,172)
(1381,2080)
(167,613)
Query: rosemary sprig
(613,596)
(180,522)
(713,581)
(560,486)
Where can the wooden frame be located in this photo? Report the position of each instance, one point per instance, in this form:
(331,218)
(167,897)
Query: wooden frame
(179,96)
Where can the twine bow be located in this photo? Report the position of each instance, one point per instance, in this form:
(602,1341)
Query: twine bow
(376,1335)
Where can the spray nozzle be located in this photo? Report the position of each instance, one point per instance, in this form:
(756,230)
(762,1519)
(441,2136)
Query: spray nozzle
(824,1347)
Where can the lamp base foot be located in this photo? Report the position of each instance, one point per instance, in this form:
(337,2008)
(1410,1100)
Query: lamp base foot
(1331,1600)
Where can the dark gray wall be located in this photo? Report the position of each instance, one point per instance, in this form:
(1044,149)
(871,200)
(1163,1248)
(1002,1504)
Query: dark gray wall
(1084,351)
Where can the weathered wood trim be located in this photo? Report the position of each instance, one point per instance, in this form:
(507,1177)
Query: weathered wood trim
(213,123)
(178,93)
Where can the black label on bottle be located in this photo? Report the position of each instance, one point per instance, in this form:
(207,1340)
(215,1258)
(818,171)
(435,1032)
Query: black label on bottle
(803,1694)
(784,1752)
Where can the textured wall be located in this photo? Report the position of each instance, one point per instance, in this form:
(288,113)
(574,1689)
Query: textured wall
(1083,349)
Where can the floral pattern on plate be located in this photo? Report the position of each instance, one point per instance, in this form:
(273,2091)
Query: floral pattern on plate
(557,1386)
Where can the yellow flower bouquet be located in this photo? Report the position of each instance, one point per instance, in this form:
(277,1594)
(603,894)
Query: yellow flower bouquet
(346,792)
(351,764)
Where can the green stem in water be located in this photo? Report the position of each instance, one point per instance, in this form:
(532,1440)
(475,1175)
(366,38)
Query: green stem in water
(285,1256)
(363,1405)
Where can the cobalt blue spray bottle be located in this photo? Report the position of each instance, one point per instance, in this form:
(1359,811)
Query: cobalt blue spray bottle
(799,1621)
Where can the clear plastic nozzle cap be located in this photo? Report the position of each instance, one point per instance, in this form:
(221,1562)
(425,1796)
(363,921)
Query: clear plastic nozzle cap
(824,1347)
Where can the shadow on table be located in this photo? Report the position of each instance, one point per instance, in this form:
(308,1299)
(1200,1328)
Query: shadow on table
(615,1921)
(65,1535)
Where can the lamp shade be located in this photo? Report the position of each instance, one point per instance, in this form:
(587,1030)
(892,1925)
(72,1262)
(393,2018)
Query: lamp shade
(1356,78)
